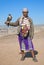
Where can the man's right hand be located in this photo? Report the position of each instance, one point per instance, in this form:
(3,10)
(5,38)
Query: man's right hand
(7,23)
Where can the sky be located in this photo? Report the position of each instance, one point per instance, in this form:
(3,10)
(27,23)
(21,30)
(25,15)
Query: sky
(14,7)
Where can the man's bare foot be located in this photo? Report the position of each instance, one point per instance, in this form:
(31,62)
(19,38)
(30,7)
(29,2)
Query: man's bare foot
(35,59)
(22,58)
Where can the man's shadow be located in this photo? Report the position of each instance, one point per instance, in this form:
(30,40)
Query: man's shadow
(29,55)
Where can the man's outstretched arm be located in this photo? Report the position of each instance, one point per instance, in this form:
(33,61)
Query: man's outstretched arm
(12,23)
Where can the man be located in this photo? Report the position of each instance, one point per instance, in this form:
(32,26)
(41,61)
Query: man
(25,42)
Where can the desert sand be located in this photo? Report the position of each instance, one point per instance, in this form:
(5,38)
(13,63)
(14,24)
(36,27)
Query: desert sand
(9,50)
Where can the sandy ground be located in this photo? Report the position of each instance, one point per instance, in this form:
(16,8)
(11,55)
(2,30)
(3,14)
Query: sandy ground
(9,50)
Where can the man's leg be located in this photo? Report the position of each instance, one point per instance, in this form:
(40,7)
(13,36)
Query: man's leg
(23,55)
(34,57)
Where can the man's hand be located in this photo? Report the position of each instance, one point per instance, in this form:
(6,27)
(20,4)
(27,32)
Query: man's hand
(7,23)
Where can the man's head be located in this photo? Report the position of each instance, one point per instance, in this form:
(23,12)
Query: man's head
(25,12)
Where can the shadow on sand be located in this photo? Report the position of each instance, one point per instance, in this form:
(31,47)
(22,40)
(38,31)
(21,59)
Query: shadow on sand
(29,55)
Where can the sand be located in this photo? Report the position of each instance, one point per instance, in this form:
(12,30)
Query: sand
(9,50)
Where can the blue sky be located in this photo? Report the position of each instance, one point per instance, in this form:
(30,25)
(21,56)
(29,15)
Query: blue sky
(35,7)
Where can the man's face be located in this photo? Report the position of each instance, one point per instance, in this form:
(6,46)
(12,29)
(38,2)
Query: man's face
(25,14)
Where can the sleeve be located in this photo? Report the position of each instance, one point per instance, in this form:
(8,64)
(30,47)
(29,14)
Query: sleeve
(14,23)
(31,32)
